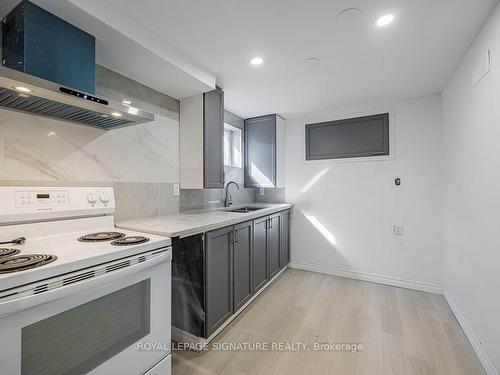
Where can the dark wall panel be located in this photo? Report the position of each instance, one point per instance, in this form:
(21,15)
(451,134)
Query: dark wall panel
(349,138)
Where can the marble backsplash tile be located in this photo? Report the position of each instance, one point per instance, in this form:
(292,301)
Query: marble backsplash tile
(134,200)
(36,148)
(168,203)
(271,196)
(213,198)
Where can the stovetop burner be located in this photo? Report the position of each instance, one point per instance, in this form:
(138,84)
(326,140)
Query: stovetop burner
(127,241)
(24,262)
(4,252)
(101,236)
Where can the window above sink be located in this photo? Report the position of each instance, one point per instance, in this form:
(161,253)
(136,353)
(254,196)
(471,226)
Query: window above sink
(232,146)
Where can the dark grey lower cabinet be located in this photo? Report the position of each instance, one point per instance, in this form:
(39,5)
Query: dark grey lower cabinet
(188,284)
(215,274)
(218,282)
(274,242)
(285,239)
(242,264)
(260,256)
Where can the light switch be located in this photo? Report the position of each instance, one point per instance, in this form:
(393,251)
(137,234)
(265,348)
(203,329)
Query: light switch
(176,190)
(398,230)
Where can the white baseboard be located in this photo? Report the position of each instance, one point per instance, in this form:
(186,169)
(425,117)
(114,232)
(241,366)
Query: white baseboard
(485,360)
(379,279)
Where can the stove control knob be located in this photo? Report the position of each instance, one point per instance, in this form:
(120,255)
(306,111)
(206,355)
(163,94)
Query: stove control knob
(92,198)
(103,196)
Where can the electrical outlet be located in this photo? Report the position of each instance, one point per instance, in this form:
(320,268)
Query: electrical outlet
(398,230)
(176,190)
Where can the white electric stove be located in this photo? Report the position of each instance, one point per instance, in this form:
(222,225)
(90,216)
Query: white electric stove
(77,295)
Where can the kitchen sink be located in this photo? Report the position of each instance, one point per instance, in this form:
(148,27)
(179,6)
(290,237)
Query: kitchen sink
(245,210)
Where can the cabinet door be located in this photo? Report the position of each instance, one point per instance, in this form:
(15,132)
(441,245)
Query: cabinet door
(274,241)
(219,291)
(213,133)
(260,151)
(260,258)
(242,262)
(188,284)
(285,239)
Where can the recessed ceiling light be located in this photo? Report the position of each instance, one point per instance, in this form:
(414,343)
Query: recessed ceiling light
(126,102)
(116,114)
(385,20)
(22,89)
(51,134)
(256,60)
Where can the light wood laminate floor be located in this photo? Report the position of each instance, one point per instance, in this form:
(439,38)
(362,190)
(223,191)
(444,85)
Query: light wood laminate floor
(402,331)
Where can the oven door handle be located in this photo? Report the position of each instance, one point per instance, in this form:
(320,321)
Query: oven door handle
(26,302)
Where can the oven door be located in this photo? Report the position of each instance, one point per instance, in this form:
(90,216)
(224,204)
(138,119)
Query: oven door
(116,324)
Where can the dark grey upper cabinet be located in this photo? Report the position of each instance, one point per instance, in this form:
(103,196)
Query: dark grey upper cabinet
(349,138)
(213,129)
(260,152)
(242,261)
(260,257)
(201,135)
(274,241)
(264,151)
(285,239)
(219,290)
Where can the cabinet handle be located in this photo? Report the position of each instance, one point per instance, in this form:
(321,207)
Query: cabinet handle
(236,236)
(270,223)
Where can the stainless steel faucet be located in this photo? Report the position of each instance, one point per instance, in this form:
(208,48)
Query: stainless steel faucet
(228,201)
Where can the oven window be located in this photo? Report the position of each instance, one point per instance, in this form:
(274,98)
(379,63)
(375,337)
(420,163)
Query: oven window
(78,340)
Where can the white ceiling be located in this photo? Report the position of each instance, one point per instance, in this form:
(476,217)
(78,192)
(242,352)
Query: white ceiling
(416,55)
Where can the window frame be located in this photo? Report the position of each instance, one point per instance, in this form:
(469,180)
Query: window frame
(232,131)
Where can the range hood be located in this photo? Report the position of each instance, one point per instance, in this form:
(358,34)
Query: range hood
(29,94)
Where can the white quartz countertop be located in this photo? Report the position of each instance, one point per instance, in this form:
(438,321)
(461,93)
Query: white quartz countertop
(188,223)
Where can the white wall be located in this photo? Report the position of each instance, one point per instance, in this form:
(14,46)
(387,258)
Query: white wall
(471,118)
(355,204)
